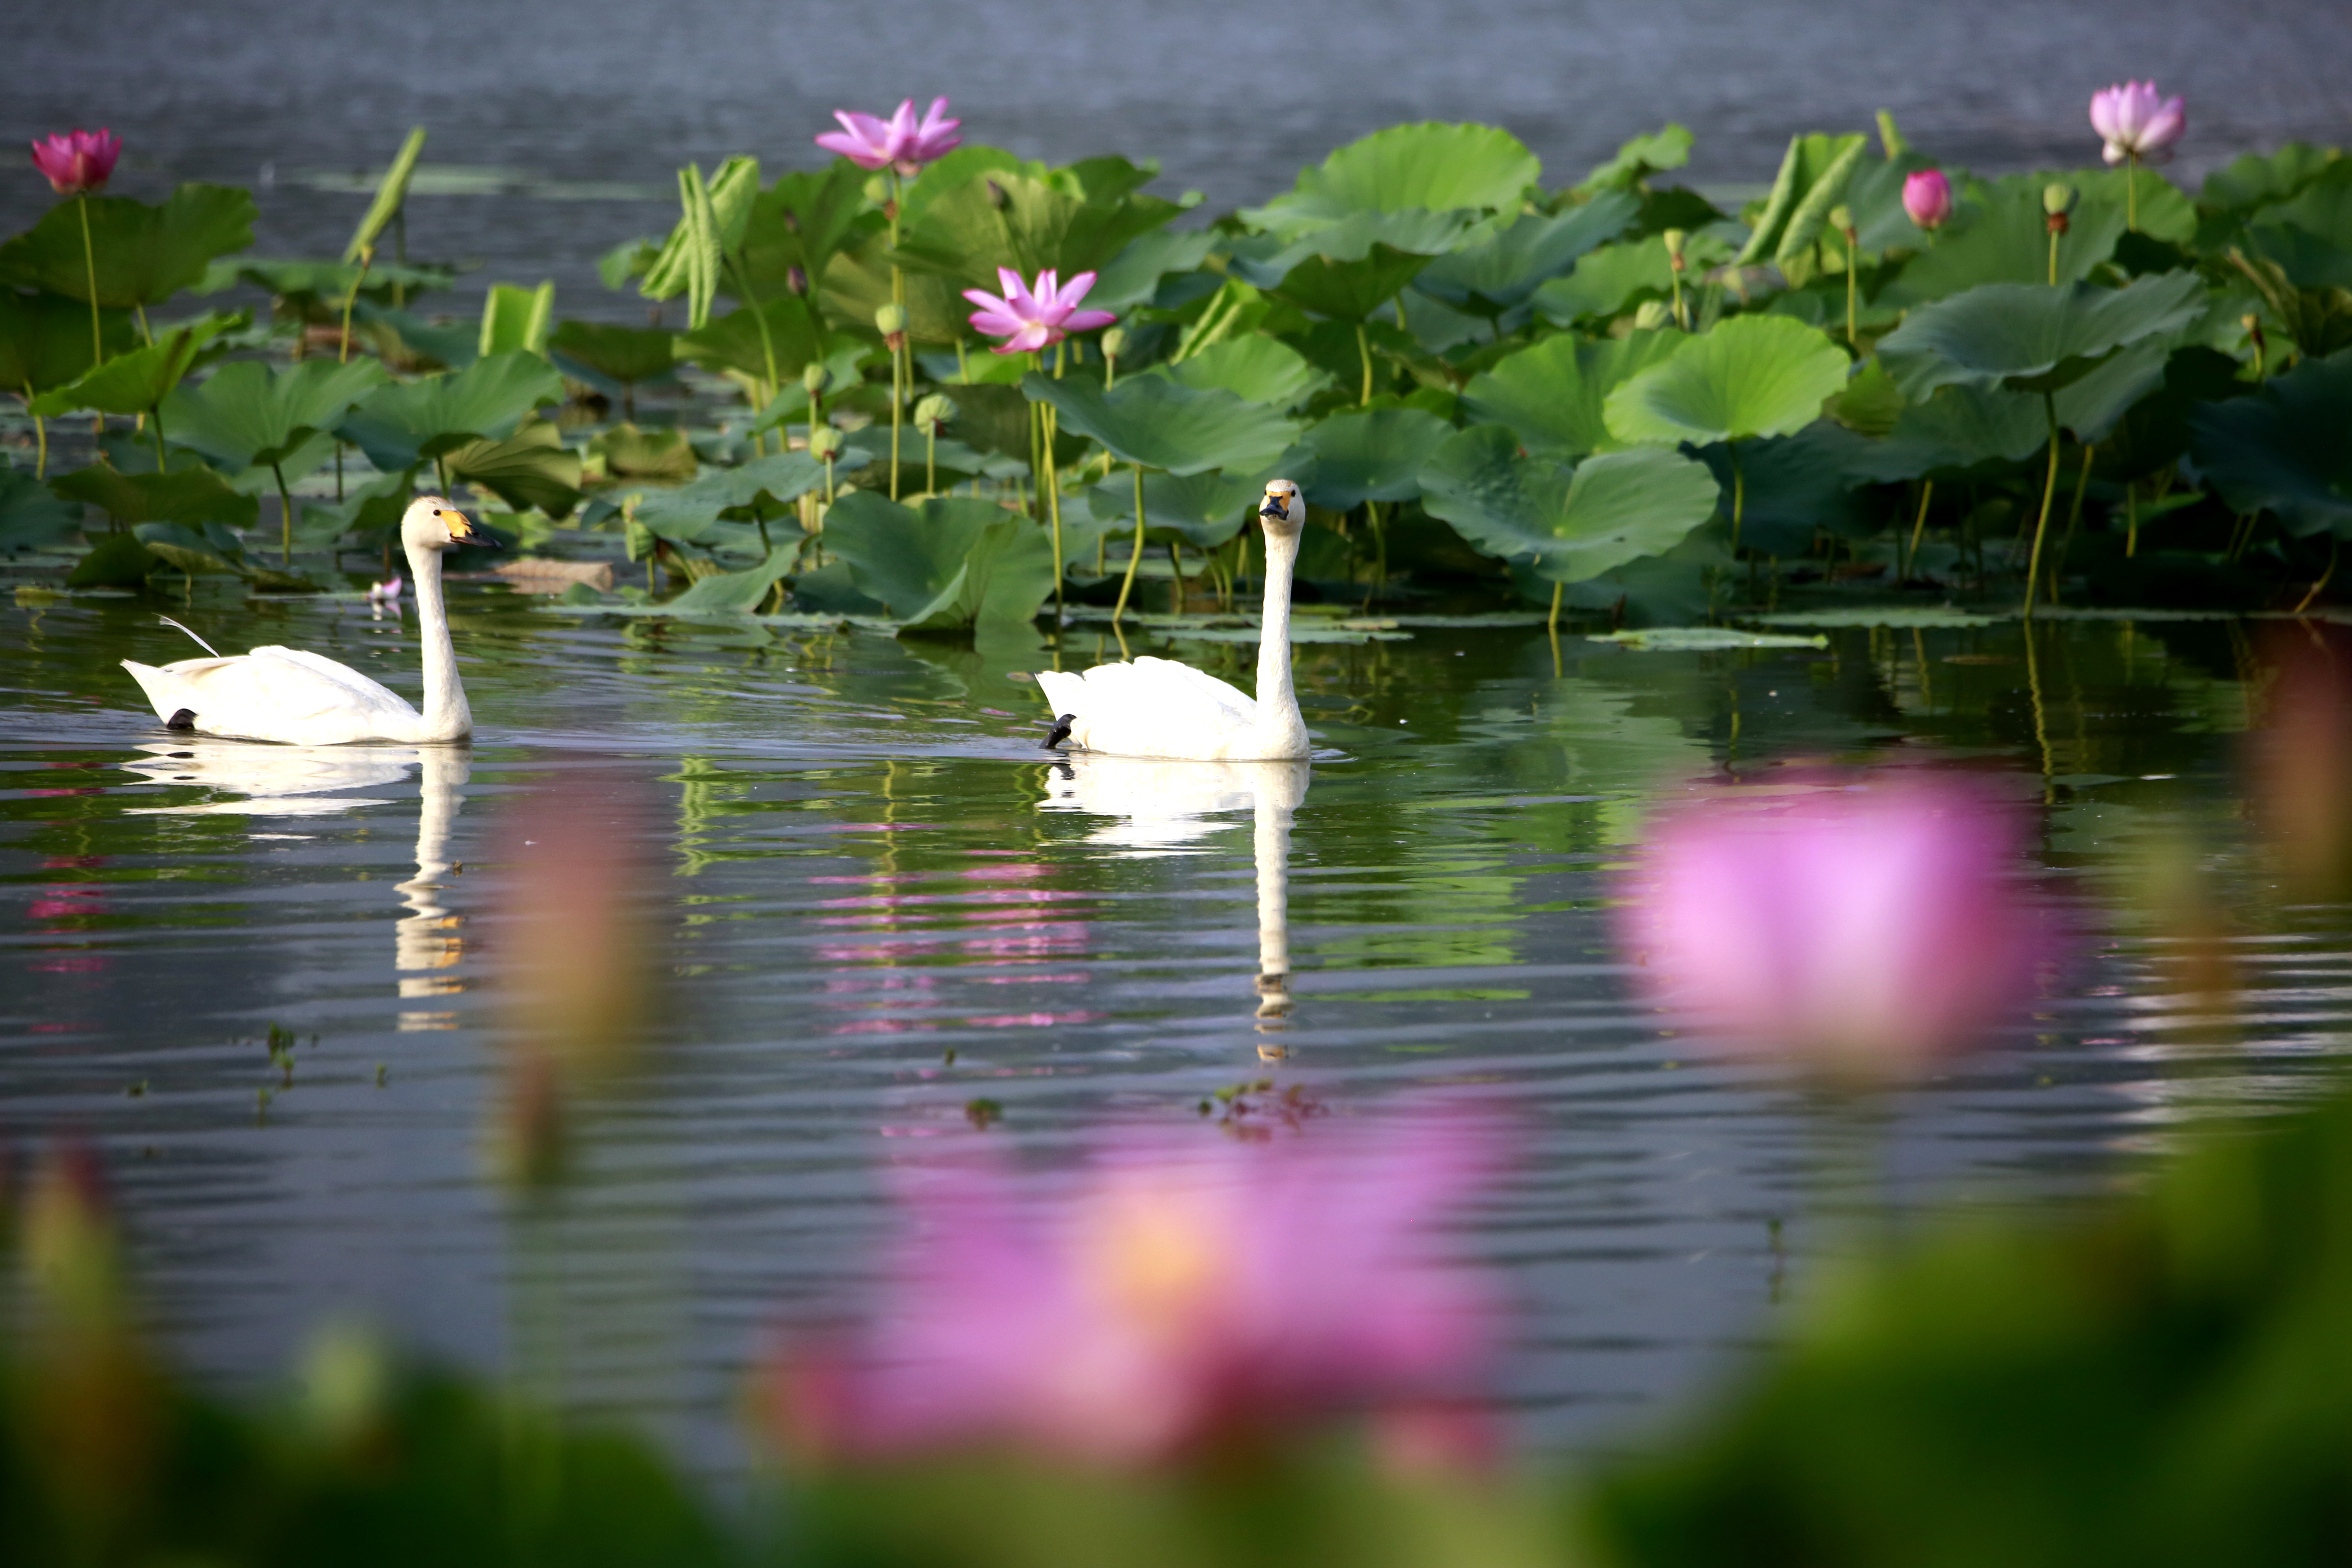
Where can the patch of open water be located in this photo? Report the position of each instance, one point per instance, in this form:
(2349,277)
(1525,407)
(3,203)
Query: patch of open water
(862,865)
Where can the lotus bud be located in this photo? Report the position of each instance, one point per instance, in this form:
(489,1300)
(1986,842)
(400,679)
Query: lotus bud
(1114,342)
(1841,220)
(825,443)
(1675,240)
(2058,201)
(892,321)
(796,278)
(934,411)
(813,378)
(1928,198)
(1654,314)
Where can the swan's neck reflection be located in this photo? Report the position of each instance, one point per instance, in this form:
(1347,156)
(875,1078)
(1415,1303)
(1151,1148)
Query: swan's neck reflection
(1166,807)
(426,943)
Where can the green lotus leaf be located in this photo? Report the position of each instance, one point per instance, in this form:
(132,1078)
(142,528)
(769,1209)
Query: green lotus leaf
(2257,180)
(31,516)
(1264,258)
(730,190)
(765,487)
(1613,509)
(317,289)
(952,561)
(1202,509)
(995,418)
(1430,165)
(2031,337)
(134,383)
(1787,489)
(2090,407)
(1871,403)
(965,233)
(1752,375)
(733,342)
(1552,395)
(193,495)
(805,219)
(1371,454)
(2283,450)
(1961,432)
(1160,423)
(514,319)
(1255,368)
(627,356)
(116,560)
(144,254)
(630,453)
(1812,180)
(45,340)
(2153,435)
(2310,236)
(735,592)
(531,469)
(246,415)
(403,424)
(391,192)
(1349,290)
(1495,274)
(856,283)
(1638,158)
(1999,232)
(1608,282)
(1132,276)
(197,551)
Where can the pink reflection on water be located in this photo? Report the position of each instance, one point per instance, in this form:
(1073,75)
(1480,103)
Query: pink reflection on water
(1025,927)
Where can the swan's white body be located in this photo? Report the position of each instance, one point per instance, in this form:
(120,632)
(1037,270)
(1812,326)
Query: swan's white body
(291,695)
(1159,707)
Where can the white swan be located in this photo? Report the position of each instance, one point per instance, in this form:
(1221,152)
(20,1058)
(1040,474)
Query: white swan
(288,694)
(1159,707)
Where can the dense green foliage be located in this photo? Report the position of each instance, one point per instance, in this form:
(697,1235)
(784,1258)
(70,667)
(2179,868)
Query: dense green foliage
(1614,395)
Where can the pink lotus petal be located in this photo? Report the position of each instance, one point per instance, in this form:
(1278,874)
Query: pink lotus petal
(1087,320)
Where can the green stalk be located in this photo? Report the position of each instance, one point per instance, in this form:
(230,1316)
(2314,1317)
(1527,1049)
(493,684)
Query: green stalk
(1739,496)
(1551,623)
(898,401)
(89,262)
(931,459)
(1134,558)
(285,517)
(2131,513)
(1852,275)
(1364,351)
(1054,508)
(367,259)
(2055,238)
(2131,194)
(768,349)
(2049,493)
(1919,529)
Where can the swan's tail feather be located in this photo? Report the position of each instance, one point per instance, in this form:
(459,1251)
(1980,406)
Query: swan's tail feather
(199,641)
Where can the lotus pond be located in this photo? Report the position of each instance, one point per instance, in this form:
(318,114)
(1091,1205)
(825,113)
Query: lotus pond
(1614,488)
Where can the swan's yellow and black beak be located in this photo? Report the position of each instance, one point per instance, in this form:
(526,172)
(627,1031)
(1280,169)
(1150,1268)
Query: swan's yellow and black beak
(463,531)
(1276,506)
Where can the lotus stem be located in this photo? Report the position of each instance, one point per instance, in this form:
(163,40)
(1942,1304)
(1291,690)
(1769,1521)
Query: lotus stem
(1853,278)
(1551,622)
(2049,493)
(2131,526)
(1364,351)
(285,516)
(90,263)
(768,354)
(930,460)
(2131,194)
(344,356)
(1054,509)
(1738,496)
(2324,578)
(1919,530)
(2074,517)
(1135,557)
(1176,564)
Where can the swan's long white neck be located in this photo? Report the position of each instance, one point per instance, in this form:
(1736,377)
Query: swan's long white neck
(446,717)
(1278,704)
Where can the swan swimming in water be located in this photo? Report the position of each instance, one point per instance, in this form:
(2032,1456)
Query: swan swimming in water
(291,695)
(1159,707)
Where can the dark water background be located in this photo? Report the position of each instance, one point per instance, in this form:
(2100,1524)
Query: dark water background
(576,95)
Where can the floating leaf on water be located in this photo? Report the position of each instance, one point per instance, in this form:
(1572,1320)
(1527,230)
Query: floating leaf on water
(1703,640)
(1928,617)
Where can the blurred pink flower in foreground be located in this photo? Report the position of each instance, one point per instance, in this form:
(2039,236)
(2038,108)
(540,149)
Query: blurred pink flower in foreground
(386,592)
(1862,930)
(897,142)
(1031,320)
(2136,123)
(77,161)
(1182,1294)
(1928,197)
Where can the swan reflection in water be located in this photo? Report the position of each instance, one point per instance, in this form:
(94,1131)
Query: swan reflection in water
(1165,808)
(266,781)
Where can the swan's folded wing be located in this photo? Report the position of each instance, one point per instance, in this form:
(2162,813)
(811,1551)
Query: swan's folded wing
(1222,692)
(1154,707)
(358,689)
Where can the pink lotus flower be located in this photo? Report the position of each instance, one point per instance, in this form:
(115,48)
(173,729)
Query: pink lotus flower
(1031,320)
(385,592)
(2137,124)
(1183,1292)
(1862,930)
(1928,197)
(77,161)
(898,143)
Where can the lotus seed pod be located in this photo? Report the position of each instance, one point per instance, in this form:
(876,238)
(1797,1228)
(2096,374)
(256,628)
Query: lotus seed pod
(1114,342)
(1654,314)
(1841,220)
(1675,240)
(936,410)
(813,378)
(825,443)
(2058,199)
(890,320)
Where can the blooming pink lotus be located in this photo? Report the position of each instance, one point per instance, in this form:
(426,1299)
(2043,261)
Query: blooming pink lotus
(386,592)
(1029,320)
(1862,930)
(2137,124)
(1181,1293)
(78,161)
(1928,197)
(897,142)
